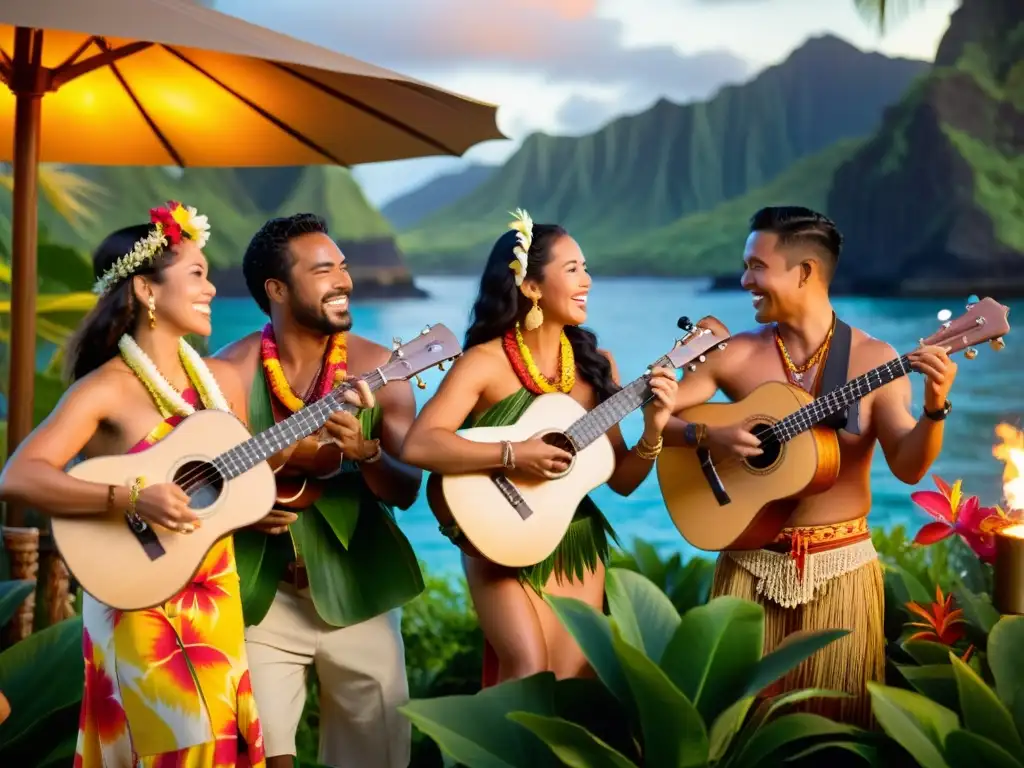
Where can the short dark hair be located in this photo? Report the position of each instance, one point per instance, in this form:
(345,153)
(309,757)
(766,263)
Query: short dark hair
(796,225)
(267,257)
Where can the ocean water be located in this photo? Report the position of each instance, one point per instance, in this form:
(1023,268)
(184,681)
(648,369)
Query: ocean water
(635,318)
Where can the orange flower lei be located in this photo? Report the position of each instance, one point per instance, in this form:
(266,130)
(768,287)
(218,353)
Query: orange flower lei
(531,377)
(335,368)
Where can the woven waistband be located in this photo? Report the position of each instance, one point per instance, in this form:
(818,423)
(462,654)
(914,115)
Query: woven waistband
(805,540)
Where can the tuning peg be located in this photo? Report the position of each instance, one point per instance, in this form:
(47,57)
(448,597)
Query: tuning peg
(997,344)
(702,359)
(723,345)
(425,331)
(420,382)
(970,353)
(684,324)
(972,300)
(692,367)
(440,366)
(395,342)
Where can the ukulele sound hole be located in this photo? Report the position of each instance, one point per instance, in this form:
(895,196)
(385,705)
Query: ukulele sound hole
(561,440)
(201,481)
(772,448)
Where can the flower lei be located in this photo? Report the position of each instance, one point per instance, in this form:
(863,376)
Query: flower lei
(529,375)
(335,368)
(523,226)
(167,399)
(171,223)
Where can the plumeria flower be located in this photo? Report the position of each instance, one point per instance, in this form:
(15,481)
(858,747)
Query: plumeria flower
(956,515)
(523,226)
(941,624)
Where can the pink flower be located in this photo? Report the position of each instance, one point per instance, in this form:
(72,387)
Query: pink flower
(956,515)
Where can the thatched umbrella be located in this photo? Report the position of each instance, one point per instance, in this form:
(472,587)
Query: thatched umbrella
(169,82)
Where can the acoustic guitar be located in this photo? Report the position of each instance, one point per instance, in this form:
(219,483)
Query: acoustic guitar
(212,457)
(518,521)
(755,497)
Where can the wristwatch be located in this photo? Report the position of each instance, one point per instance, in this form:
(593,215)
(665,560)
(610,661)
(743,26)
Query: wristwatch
(941,414)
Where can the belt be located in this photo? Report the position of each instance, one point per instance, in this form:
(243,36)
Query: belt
(296,575)
(811,539)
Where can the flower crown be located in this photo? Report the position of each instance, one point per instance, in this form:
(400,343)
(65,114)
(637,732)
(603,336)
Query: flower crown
(172,222)
(523,226)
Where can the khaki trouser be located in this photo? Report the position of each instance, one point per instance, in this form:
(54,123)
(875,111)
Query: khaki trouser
(361,669)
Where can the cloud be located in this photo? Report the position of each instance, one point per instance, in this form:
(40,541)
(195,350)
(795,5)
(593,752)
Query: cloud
(564,40)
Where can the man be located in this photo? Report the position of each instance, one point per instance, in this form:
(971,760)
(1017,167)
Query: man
(791,255)
(336,604)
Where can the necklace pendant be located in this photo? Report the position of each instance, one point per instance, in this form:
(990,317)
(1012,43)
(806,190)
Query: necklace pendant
(798,378)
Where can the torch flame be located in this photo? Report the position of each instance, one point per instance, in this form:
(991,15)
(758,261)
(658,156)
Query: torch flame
(1010,451)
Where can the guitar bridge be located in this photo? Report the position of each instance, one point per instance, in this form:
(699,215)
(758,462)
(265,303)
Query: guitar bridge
(512,495)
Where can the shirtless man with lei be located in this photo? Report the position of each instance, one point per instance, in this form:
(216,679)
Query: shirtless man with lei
(325,575)
(791,255)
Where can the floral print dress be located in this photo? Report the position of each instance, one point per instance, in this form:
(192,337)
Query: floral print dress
(168,687)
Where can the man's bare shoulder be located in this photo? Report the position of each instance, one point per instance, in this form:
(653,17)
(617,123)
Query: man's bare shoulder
(869,351)
(365,354)
(241,351)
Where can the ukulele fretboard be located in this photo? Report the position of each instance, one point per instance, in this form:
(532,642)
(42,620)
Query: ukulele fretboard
(837,400)
(300,424)
(606,415)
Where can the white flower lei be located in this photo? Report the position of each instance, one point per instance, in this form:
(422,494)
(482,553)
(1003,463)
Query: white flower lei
(143,366)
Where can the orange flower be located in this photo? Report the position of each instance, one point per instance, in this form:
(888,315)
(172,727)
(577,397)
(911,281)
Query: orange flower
(940,623)
(335,367)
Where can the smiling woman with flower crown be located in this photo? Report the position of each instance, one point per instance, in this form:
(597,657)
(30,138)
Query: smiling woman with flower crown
(524,340)
(170,684)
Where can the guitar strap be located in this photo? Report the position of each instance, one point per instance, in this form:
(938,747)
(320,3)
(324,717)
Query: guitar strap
(835,374)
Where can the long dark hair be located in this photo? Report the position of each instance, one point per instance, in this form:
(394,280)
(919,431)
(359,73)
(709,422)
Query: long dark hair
(500,305)
(117,311)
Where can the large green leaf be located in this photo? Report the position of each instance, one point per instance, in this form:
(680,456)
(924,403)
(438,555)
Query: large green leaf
(983,712)
(714,652)
(1004,659)
(592,632)
(475,730)
(917,724)
(642,612)
(726,726)
(764,746)
(261,560)
(574,745)
(867,752)
(970,750)
(692,584)
(936,681)
(769,707)
(794,649)
(979,613)
(340,509)
(904,586)
(40,676)
(927,652)
(674,732)
(12,595)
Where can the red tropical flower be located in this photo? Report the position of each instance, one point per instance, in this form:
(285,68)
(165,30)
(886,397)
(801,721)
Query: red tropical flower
(956,515)
(98,697)
(941,624)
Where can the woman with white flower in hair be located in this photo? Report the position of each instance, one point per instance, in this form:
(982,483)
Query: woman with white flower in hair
(525,339)
(167,685)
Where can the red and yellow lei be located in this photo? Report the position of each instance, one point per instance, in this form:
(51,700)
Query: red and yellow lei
(335,368)
(530,376)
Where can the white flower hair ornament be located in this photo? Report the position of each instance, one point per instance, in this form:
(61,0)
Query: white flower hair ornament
(523,226)
(171,223)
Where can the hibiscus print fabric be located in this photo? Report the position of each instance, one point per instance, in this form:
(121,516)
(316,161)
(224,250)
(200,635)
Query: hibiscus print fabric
(168,687)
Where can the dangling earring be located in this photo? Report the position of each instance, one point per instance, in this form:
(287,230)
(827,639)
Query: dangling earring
(535,317)
(152,312)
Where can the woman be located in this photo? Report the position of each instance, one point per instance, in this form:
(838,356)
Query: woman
(524,339)
(166,685)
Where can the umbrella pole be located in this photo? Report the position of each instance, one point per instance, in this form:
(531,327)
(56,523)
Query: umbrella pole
(26,82)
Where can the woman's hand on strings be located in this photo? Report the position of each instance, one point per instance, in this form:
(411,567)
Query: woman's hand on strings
(663,384)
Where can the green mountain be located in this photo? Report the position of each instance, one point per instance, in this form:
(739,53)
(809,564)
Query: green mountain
(408,210)
(934,202)
(237,201)
(644,172)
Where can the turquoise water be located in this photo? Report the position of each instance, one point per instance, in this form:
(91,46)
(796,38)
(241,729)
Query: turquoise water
(636,319)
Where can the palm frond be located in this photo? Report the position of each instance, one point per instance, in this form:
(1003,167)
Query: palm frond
(67,192)
(883,12)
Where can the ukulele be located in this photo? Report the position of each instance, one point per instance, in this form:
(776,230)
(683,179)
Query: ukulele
(129,564)
(755,496)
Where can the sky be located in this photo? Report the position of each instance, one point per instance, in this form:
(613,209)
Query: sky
(569,66)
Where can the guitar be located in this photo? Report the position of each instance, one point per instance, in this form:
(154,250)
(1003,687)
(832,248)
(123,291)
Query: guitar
(800,458)
(223,469)
(519,522)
